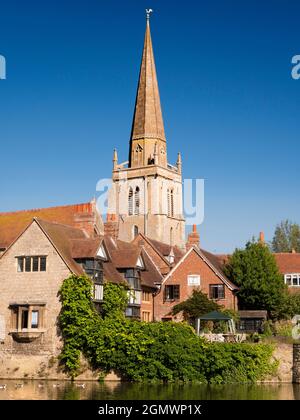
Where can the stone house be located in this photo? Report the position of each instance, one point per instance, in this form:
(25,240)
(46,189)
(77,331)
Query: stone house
(32,270)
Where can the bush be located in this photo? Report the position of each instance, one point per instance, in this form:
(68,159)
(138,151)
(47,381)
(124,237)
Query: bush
(139,351)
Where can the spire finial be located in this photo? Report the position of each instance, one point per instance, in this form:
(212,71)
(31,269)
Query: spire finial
(148,13)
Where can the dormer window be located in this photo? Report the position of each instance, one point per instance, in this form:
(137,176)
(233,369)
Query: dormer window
(140,263)
(101,253)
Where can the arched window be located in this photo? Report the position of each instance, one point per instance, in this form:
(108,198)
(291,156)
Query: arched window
(130,202)
(135,231)
(172,203)
(137,201)
(170,198)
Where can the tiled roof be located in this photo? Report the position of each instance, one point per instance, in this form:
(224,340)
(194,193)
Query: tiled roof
(165,249)
(288,262)
(151,275)
(62,237)
(13,224)
(85,248)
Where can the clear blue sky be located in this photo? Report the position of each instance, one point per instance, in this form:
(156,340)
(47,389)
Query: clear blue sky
(229,103)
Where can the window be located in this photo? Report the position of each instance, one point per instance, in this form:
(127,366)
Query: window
(172,292)
(34,319)
(132,277)
(216,291)
(146,316)
(20,265)
(31,264)
(27,264)
(134,297)
(43,264)
(171,236)
(292,279)
(93,268)
(35,263)
(137,201)
(98,292)
(135,231)
(194,280)
(26,317)
(146,296)
(133,312)
(170,198)
(130,202)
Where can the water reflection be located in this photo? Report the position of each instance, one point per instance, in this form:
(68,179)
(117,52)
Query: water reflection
(54,390)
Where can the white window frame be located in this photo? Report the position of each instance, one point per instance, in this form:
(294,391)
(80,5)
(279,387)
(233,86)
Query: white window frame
(292,276)
(193,283)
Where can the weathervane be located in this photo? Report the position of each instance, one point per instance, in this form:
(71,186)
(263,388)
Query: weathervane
(148,13)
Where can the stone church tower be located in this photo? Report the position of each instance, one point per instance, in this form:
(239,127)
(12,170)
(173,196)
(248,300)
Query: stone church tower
(146,195)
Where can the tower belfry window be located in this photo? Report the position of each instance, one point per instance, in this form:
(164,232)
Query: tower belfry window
(137,201)
(130,202)
(170,198)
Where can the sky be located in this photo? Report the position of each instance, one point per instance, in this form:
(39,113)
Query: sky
(230,105)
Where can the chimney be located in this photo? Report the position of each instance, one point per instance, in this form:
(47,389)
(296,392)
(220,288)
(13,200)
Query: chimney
(85,218)
(193,238)
(111,227)
(261,237)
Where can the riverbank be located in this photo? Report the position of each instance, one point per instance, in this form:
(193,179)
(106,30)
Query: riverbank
(43,367)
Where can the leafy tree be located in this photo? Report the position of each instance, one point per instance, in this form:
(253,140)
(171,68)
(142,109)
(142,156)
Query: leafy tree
(286,237)
(196,305)
(255,271)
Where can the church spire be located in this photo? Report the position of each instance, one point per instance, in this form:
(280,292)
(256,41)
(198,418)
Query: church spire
(147,123)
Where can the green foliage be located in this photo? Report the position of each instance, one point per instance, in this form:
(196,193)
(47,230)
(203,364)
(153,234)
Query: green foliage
(255,271)
(286,237)
(115,298)
(196,305)
(140,351)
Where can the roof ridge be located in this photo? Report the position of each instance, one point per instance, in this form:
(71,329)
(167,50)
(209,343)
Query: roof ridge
(42,208)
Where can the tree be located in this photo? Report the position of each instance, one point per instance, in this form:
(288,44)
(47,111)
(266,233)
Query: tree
(286,237)
(196,305)
(255,271)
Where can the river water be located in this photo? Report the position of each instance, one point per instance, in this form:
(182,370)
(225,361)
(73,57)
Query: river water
(64,390)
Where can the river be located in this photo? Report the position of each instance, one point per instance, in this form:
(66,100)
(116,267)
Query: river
(64,390)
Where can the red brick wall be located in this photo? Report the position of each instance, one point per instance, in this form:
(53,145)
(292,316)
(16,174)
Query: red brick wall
(193,264)
(147,306)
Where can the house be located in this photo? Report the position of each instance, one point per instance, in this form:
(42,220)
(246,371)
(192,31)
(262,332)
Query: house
(34,265)
(184,272)
(289,266)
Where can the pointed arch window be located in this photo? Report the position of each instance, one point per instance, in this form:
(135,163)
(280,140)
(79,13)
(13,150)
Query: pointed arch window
(138,156)
(170,198)
(137,201)
(130,202)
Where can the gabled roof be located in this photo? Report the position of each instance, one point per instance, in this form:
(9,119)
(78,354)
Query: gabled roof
(62,237)
(151,276)
(288,262)
(86,248)
(210,260)
(12,224)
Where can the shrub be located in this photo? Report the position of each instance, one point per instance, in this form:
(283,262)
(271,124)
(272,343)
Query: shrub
(139,351)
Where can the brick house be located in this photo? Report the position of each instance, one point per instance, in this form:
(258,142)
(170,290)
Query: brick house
(196,269)
(289,266)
